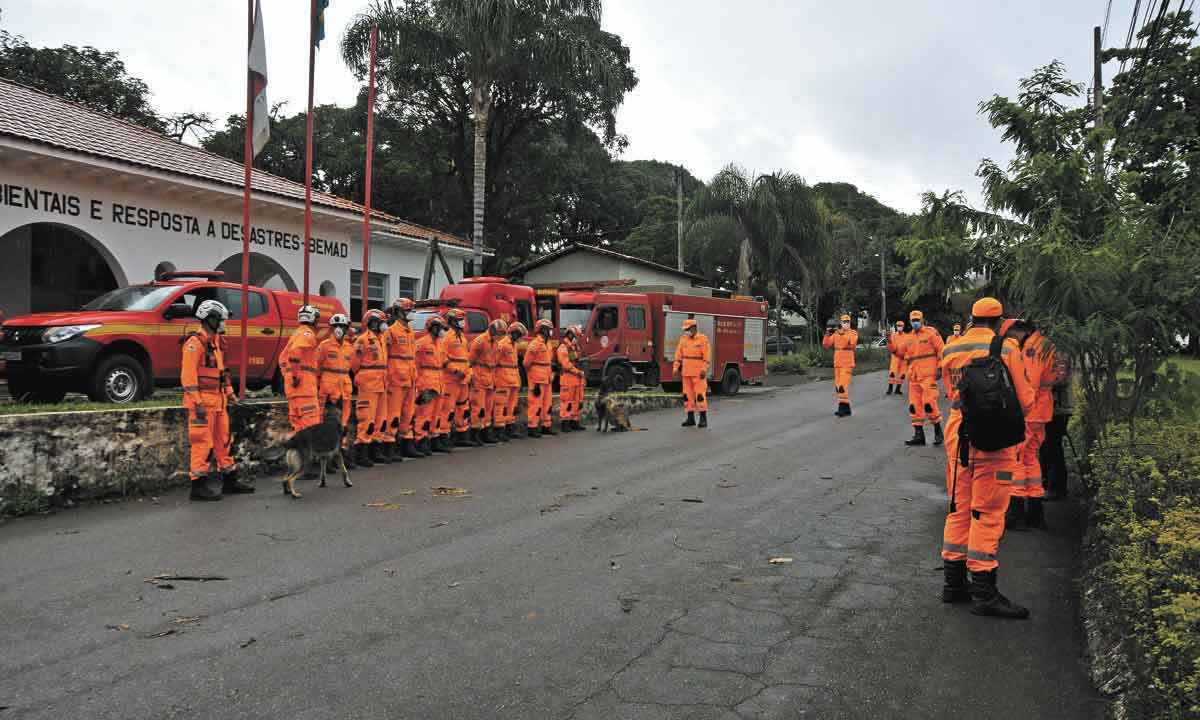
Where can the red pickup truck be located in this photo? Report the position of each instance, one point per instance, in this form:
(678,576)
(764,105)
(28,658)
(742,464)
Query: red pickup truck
(123,344)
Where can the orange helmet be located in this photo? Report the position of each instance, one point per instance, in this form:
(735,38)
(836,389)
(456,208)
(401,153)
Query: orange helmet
(374,315)
(916,315)
(988,307)
(499,326)
(456,314)
(436,321)
(543,323)
(401,305)
(845,317)
(517,328)
(689,324)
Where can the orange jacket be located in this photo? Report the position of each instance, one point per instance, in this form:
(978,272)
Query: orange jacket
(692,355)
(923,352)
(203,376)
(336,358)
(1043,370)
(402,355)
(843,343)
(299,359)
(537,361)
(370,363)
(429,364)
(508,373)
(974,343)
(483,361)
(457,365)
(569,374)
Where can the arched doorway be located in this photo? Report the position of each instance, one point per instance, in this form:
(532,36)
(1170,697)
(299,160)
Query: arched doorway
(264,272)
(50,267)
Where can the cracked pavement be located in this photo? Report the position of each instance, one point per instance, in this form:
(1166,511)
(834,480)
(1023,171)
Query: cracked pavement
(578,579)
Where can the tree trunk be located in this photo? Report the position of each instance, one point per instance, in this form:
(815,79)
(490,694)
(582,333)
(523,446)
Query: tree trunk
(482,102)
(743,271)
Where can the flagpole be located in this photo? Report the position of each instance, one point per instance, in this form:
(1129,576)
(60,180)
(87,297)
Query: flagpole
(366,271)
(247,162)
(308,142)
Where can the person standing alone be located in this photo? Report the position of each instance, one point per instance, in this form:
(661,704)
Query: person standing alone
(842,341)
(692,356)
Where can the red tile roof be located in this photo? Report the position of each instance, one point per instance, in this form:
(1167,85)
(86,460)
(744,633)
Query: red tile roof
(38,117)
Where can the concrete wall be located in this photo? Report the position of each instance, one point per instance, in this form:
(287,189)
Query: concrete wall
(583,266)
(56,459)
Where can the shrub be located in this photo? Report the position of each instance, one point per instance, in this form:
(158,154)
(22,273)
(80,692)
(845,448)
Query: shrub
(787,364)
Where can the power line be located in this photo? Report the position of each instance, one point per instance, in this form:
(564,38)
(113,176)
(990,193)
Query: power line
(1104,32)
(1129,35)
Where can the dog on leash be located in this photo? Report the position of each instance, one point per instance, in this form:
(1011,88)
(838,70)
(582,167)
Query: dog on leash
(611,411)
(317,444)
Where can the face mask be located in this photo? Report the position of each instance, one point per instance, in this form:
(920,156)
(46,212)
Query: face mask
(899,328)
(916,324)
(221,328)
(845,326)
(339,332)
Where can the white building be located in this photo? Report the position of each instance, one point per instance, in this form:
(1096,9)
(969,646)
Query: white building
(89,203)
(584,263)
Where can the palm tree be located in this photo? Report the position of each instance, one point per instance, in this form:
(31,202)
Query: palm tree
(487,40)
(739,210)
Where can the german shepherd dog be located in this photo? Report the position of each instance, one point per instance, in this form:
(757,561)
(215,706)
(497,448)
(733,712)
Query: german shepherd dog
(611,411)
(320,444)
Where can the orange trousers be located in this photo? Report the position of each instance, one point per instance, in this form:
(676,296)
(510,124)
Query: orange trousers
(537,409)
(841,383)
(1028,482)
(453,408)
(896,372)
(923,399)
(303,411)
(504,405)
(695,394)
(401,406)
(570,400)
(481,406)
(371,412)
(425,417)
(208,434)
(973,531)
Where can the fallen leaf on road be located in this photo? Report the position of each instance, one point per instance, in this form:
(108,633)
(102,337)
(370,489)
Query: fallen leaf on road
(726,485)
(780,560)
(384,505)
(440,523)
(454,584)
(276,537)
(445,491)
(825,477)
(164,633)
(906,499)
(164,586)
(187,620)
(391,572)
(627,603)
(156,579)
(691,500)
(408,492)
(122,626)
(614,565)
(248,643)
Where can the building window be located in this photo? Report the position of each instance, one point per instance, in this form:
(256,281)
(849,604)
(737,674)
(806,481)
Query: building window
(635,317)
(477,322)
(406,287)
(376,293)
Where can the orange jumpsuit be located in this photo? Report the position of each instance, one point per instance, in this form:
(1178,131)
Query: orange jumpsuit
(429,378)
(401,381)
(981,493)
(483,369)
(453,408)
(570,380)
(922,352)
(537,371)
(1041,369)
(334,384)
(508,383)
(206,392)
(370,377)
(692,356)
(298,365)
(898,367)
(843,343)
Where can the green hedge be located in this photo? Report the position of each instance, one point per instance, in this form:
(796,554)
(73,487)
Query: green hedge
(1143,585)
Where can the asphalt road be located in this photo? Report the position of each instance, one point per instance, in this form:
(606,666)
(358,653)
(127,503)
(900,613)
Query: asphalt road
(585,576)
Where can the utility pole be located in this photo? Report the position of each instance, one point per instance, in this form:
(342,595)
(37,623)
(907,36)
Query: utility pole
(679,217)
(882,293)
(1098,95)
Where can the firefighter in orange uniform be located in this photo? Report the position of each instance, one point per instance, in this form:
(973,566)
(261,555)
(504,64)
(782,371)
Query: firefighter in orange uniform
(456,377)
(370,378)
(401,381)
(922,352)
(692,355)
(979,488)
(207,392)
(483,360)
(1042,370)
(336,354)
(508,381)
(571,379)
(429,388)
(843,342)
(895,344)
(538,372)
(298,365)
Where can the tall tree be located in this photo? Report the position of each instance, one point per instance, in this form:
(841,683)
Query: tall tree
(499,66)
(735,211)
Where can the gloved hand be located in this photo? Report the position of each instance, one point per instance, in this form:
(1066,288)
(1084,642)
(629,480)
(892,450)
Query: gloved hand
(537,390)
(675,369)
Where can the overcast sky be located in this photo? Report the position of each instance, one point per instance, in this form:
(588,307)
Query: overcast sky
(880,94)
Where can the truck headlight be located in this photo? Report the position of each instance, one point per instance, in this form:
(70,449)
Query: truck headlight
(66,332)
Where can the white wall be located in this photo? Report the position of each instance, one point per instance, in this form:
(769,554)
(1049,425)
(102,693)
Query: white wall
(584,266)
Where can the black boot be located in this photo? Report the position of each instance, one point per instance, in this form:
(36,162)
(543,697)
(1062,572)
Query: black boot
(396,450)
(703,419)
(499,433)
(938,438)
(475,439)
(1035,513)
(362,455)
(843,409)
(955,588)
(488,436)
(533,432)
(918,437)
(890,389)
(565,426)
(549,430)
(513,433)
(1015,518)
(441,444)
(201,490)
(379,453)
(409,449)
(231,484)
(425,446)
(462,439)
(691,420)
(987,600)
(348,458)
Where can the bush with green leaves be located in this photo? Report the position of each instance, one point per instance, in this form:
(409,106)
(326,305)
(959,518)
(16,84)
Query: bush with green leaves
(793,364)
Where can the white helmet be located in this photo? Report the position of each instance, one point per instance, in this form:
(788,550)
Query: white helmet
(308,314)
(339,319)
(213,314)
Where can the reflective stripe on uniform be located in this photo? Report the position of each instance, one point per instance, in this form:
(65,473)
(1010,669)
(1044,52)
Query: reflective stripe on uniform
(968,347)
(372,367)
(1004,475)
(954,547)
(335,371)
(980,555)
(1033,482)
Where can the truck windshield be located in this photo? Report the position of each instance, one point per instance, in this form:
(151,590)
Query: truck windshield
(418,319)
(135,298)
(569,315)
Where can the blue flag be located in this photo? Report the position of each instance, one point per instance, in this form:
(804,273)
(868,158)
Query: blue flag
(320,21)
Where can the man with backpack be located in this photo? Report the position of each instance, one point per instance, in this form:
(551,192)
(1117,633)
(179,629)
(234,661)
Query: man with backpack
(990,397)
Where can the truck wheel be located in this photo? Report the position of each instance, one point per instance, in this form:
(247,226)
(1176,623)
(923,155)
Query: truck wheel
(650,377)
(731,382)
(119,379)
(620,377)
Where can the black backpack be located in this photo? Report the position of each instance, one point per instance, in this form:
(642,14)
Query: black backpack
(992,415)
